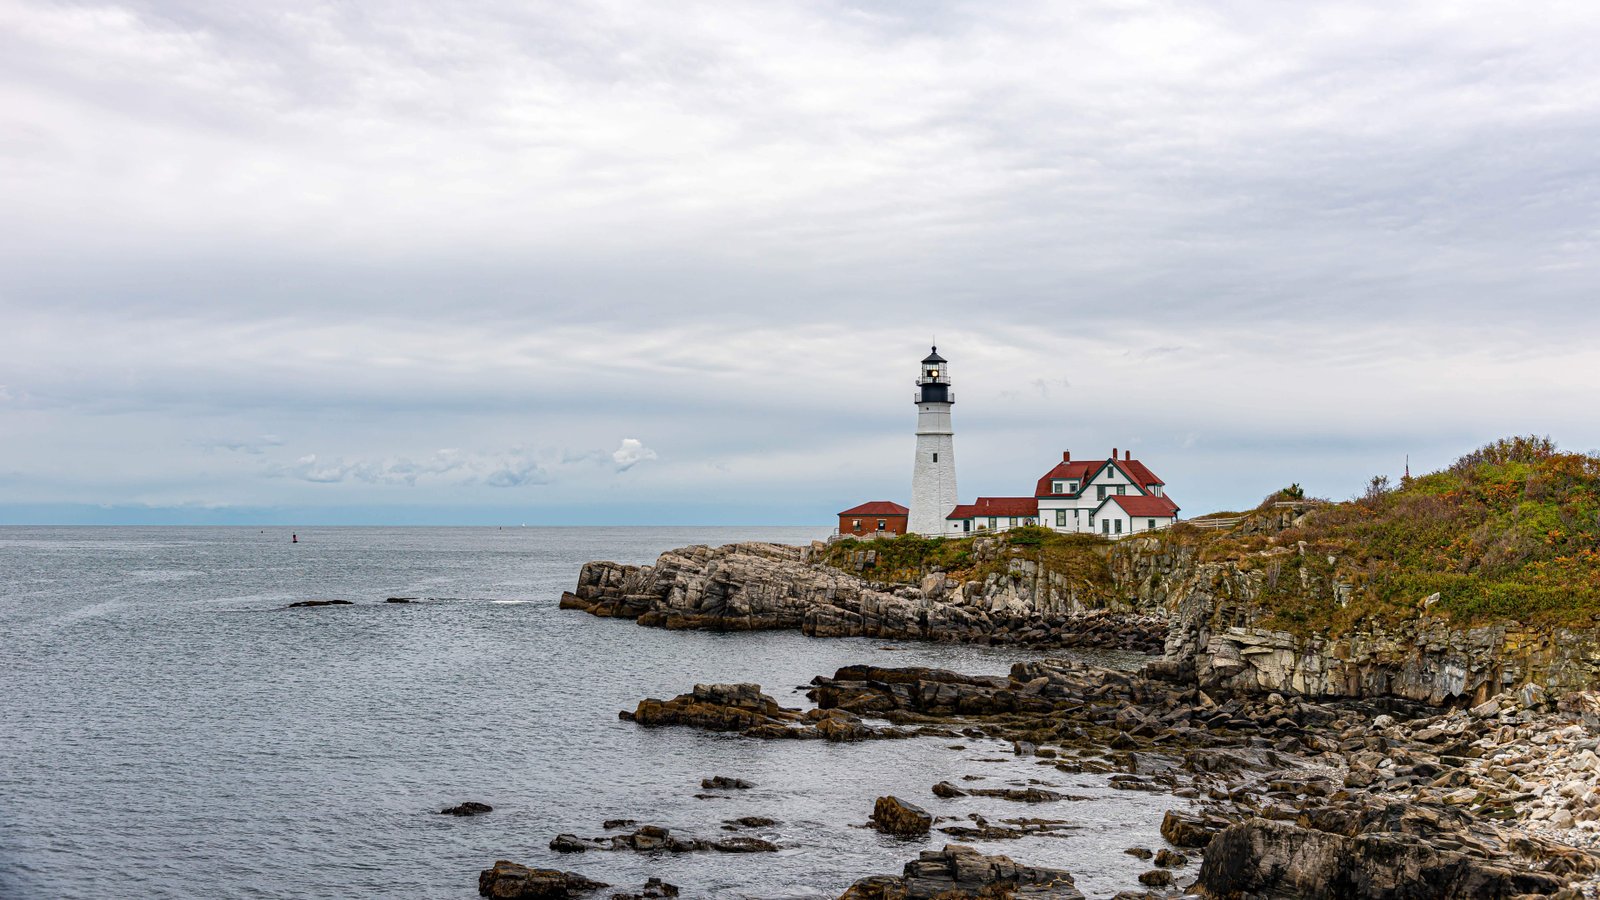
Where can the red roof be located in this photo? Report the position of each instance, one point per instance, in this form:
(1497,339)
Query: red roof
(996,506)
(1082,469)
(877,508)
(1156,507)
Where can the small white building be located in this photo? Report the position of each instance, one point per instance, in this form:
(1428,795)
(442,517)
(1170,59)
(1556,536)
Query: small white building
(1119,495)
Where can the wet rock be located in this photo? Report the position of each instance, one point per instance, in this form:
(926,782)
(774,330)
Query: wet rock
(1139,852)
(569,843)
(723,782)
(507,880)
(399,599)
(892,815)
(302,603)
(1167,859)
(469,808)
(1156,878)
(946,789)
(961,873)
(1184,830)
(611,824)
(751,822)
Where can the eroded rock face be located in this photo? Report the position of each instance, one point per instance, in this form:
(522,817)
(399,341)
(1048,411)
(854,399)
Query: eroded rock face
(753,586)
(961,873)
(1263,858)
(507,880)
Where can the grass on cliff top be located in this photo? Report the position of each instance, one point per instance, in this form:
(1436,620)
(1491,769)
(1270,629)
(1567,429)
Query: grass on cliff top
(1079,558)
(1510,531)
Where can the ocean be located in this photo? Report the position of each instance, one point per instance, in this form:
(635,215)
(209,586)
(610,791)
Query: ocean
(170,728)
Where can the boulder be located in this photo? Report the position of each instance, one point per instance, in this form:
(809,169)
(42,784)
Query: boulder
(1184,830)
(723,782)
(1266,858)
(891,815)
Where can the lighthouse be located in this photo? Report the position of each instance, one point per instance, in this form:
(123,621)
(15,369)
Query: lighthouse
(933,475)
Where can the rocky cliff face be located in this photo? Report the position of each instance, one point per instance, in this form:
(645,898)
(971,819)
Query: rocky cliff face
(1218,638)
(753,586)
(1205,617)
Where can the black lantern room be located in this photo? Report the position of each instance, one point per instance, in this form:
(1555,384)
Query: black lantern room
(933,380)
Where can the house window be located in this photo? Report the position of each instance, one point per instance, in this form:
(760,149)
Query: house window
(1101,492)
(1121,489)
(1061,518)
(1012,523)
(991,521)
(1057,487)
(1119,525)
(882,524)
(855,524)
(1150,525)
(1072,487)
(1105,526)
(1155,489)
(966,524)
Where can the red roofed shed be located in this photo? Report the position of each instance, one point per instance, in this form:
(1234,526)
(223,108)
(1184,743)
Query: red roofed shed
(874,517)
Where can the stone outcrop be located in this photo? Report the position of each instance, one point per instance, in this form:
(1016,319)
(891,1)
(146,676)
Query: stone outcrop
(1262,858)
(961,873)
(507,880)
(754,586)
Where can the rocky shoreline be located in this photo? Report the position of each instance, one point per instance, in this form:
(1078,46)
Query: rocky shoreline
(1410,781)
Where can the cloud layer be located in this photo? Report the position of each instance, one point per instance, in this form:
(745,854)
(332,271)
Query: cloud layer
(279,257)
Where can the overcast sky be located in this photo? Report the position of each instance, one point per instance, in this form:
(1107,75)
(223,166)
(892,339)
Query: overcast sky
(676,263)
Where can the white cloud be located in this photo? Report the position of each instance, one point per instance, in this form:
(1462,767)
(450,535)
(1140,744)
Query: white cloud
(630,454)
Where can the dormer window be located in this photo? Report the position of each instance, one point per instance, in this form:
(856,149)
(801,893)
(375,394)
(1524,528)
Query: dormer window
(1058,487)
(1155,489)
(1072,487)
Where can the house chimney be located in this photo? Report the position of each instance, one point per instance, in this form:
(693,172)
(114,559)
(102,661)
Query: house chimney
(1127,454)
(1066,456)
(1113,453)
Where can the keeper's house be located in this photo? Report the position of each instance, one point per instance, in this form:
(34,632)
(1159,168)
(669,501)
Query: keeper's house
(876,517)
(1114,496)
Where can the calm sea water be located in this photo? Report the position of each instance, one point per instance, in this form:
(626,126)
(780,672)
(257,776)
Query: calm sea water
(169,729)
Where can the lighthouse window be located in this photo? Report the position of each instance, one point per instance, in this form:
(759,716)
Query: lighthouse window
(936,457)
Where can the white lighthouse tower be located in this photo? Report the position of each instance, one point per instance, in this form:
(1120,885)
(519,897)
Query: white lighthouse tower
(933,476)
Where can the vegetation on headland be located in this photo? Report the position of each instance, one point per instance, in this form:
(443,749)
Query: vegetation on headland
(1080,558)
(1511,531)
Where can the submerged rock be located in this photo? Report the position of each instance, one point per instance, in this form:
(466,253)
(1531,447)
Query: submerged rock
(655,839)
(723,782)
(301,603)
(507,880)
(961,873)
(469,808)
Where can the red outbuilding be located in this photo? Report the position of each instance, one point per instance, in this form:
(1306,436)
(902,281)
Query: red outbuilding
(876,517)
